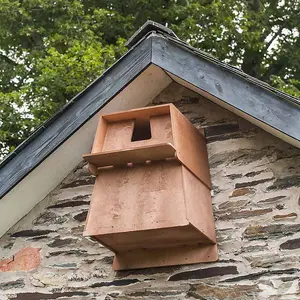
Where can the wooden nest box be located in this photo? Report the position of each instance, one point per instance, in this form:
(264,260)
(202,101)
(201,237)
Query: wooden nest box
(151,203)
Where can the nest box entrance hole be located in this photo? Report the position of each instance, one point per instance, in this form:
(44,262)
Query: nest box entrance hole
(141,129)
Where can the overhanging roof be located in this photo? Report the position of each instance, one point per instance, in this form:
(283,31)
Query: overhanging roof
(156,58)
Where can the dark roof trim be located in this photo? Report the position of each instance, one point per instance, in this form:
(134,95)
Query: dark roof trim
(145,29)
(233,69)
(266,104)
(72,116)
(161,47)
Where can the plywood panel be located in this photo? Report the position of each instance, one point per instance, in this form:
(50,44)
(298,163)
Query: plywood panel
(190,146)
(99,136)
(145,258)
(141,197)
(198,204)
(138,113)
(118,135)
(153,239)
(134,155)
(161,128)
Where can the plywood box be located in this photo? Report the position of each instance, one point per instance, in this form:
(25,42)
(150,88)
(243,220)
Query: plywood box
(151,202)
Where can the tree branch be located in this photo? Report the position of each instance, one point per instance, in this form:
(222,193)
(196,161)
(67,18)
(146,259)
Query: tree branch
(273,38)
(7,59)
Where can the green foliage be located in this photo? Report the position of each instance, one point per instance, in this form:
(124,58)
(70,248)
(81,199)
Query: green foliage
(51,50)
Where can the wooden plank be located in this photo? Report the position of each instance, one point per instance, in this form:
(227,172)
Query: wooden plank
(117,136)
(147,258)
(198,205)
(141,197)
(99,136)
(229,88)
(153,238)
(191,146)
(138,113)
(161,129)
(131,155)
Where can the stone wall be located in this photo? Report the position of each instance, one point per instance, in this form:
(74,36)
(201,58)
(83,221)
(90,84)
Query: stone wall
(256,187)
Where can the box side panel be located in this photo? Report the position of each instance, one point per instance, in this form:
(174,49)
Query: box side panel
(191,146)
(99,136)
(198,204)
(141,197)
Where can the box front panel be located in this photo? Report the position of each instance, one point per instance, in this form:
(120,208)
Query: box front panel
(141,197)
(118,135)
(126,134)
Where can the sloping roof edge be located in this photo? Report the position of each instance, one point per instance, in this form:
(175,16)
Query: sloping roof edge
(47,138)
(229,85)
(160,46)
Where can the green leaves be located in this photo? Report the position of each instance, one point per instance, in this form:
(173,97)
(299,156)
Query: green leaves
(63,75)
(51,50)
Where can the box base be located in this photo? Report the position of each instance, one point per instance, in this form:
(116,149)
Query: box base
(148,258)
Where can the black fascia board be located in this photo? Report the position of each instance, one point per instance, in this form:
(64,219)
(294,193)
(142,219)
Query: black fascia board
(281,113)
(46,139)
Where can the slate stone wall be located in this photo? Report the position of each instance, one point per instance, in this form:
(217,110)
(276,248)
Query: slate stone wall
(256,188)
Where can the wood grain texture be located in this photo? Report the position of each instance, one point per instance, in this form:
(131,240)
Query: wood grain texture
(141,197)
(99,136)
(131,155)
(153,239)
(198,205)
(74,115)
(152,206)
(147,258)
(118,135)
(138,113)
(228,87)
(115,131)
(190,146)
(153,203)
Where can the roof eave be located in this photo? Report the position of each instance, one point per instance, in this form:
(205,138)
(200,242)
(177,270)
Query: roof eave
(262,104)
(73,115)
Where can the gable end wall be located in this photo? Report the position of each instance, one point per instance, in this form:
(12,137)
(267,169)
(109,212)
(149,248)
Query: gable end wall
(256,188)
